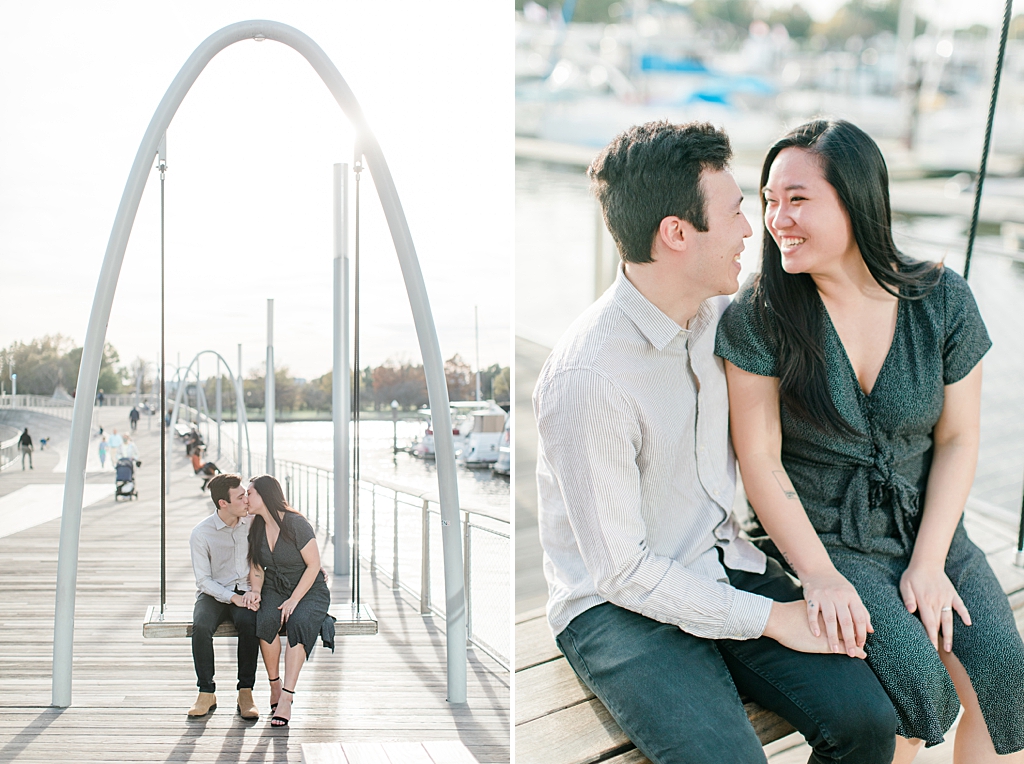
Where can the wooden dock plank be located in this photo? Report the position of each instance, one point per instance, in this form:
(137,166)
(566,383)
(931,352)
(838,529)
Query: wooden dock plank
(131,693)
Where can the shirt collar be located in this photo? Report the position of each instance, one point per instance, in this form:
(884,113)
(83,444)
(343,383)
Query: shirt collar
(220,525)
(657,327)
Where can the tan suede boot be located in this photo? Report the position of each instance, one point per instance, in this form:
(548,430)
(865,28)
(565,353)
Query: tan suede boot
(246,705)
(204,704)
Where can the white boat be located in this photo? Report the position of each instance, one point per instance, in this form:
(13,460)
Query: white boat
(504,464)
(461,415)
(480,446)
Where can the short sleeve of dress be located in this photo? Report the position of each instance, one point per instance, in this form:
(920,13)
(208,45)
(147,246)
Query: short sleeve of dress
(743,338)
(966,339)
(302,529)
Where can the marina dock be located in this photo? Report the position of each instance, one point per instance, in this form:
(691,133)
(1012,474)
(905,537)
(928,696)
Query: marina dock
(130,694)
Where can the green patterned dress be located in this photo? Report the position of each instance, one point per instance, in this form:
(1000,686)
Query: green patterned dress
(864,496)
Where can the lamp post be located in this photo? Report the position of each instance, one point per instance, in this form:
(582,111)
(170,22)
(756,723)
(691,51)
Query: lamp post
(394,427)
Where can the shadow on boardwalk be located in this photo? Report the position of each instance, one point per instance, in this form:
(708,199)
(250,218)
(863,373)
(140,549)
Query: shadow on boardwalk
(131,694)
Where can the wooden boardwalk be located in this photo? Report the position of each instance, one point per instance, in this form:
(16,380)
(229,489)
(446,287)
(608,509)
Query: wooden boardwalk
(131,694)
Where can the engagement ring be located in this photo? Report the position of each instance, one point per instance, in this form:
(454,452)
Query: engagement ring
(946,609)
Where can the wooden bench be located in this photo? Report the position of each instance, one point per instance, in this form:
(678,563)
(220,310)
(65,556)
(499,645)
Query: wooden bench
(176,621)
(558,719)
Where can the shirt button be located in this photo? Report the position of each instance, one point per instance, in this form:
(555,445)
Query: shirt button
(715,492)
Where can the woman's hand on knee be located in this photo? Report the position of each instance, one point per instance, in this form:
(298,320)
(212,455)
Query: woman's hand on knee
(833,602)
(928,592)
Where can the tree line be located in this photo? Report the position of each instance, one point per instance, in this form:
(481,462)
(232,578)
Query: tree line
(378,386)
(52,362)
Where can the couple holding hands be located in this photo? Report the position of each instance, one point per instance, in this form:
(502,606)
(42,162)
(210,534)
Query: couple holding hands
(849,378)
(256,562)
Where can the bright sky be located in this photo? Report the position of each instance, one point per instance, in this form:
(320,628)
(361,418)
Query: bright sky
(250,156)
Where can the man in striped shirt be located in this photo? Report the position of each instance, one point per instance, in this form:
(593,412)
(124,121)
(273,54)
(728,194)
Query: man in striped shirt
(656,599)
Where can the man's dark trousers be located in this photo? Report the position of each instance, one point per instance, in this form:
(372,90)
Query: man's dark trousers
(675,695)
(207,615)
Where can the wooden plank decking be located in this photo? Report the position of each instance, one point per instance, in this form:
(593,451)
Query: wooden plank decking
(131,693)
(559,721)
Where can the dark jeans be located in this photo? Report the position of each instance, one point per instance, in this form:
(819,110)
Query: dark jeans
(206,617)
(675,695)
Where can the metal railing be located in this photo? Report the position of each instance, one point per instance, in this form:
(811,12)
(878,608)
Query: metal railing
(9,452)
(400,538)
(61,409)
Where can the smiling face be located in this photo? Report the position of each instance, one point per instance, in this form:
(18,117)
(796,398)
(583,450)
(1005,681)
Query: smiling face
(805,217)
(716,265)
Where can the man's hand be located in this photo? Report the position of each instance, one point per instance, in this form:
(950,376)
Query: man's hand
(251,600)
(787,625)
(237,600)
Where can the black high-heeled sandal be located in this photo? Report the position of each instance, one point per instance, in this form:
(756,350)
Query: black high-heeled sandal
(273,706)
(280,721)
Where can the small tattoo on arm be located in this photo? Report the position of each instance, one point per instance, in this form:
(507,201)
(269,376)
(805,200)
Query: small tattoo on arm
(785,485)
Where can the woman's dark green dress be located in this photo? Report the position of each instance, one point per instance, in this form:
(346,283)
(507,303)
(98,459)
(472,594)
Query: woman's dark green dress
(864,497)
(284,568)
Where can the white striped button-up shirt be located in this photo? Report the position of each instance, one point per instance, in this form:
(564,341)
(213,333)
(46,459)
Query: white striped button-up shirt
(635,472)
(220,557)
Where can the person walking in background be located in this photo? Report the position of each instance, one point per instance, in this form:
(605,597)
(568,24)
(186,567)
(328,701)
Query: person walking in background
(114,443)
(285,572)
(103,451)
(133,418)
(99,397)
(128,450)
(25,445)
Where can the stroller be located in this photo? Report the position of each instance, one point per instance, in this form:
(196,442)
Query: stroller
(125,479)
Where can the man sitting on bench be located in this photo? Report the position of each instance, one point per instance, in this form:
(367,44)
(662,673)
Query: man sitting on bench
(659,604)
(220,552)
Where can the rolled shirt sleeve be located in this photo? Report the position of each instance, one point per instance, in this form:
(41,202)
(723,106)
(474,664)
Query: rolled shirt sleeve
(591,440)
(203,571)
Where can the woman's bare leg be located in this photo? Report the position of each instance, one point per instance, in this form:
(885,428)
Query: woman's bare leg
(906,749)
(973,744)
(294,657)
(271,652)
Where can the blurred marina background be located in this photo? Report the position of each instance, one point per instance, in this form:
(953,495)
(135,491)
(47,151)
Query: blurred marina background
(916,75)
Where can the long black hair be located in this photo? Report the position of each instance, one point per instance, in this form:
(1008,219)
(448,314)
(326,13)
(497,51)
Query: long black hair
(270,491)
(789,303)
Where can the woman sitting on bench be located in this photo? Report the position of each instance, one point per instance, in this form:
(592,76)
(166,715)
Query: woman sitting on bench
(854,389)
(285,569)
(208,469)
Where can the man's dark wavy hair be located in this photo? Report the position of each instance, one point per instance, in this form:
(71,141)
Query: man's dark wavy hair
(789,303)
(651,172)
(220,487)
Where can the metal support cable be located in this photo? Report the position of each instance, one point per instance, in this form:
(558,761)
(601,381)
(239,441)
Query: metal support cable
(163,397)
(988,143)
(358,169)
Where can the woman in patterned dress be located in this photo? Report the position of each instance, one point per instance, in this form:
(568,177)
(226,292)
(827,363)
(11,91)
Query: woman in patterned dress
(285,571)
(854,387)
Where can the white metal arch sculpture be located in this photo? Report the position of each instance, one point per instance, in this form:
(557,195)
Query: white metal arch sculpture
(437,392)
(242,415)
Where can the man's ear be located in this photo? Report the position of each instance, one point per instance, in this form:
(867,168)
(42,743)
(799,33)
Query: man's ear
(673,233)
